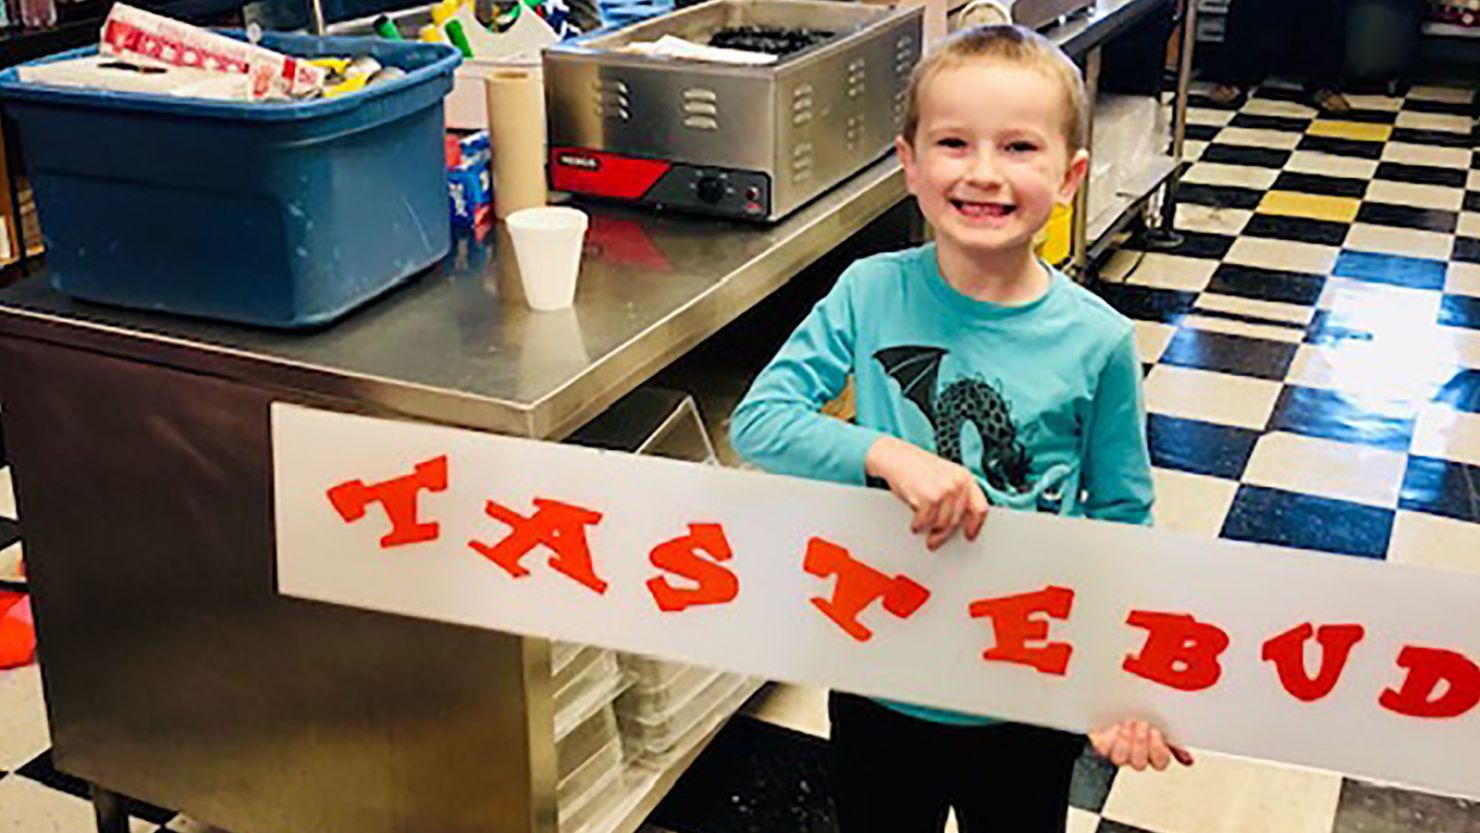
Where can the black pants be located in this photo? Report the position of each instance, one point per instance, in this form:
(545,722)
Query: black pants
(893,773)
(1265,36)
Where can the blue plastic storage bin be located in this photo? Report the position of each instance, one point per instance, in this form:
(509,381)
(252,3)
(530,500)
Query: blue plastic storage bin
(276,214)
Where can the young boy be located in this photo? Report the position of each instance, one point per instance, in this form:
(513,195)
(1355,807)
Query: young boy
(973,329)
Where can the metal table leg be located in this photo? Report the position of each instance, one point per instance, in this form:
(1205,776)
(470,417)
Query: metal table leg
(108,806)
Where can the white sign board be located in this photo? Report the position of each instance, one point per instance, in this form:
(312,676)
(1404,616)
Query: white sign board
(1335,662)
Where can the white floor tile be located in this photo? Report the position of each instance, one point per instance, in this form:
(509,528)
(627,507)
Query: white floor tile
(1192,503)
(10,563)
(800,708)
(1281,109)
(1385,103)
(23,730)
(1081,821)
(1379,307)
(1316,466)
(1273,310)
(1152,338)
(1416,195)
(1289,255)
(1209,117)
(29,807)
(1447,434)
(1448,95)
(1164,271)
(1220,398)
(1463,279)
(1469,224)
(1192,150)
(1416,120)
(1442,157)
(1329,164)
(1370,370)
(1233,176)
(1228,326)
(1365,237)
(1226,795)
(1213,220)
(7,495)
(1435,541)
(1258,137)
(1473,182)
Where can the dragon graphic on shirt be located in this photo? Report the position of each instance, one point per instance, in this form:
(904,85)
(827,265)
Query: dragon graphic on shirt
(1005,462)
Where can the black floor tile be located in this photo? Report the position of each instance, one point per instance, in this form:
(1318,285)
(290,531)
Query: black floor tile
(1333,415)
(1407,216)
(1343,147)
(1284,94)
(1326,328)
(1146,303)
(10,532)
(1202,132)
(1242,155)
(1447,108)
(1462,390)
(1372,808)
(1366,116)
(754,778)
(1267,284)
(1472,200)
(4,460)
(1108,826)
(1328,186)
(1475,161)
(1374,267)
(1229,354)
(1285,123)
(1201,100)
(41,770)
(1460,311)
(1467,249)
(1302,229)
(1195,244)
(1441,487)
(1199,447)
(1421,174)
(1290,519)
(1432,138)
(1093,778)
(1218,196)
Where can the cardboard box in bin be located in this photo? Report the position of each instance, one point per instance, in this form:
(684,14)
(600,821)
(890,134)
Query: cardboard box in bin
(275,214)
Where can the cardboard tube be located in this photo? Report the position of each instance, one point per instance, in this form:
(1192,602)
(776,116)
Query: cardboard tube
(516,130)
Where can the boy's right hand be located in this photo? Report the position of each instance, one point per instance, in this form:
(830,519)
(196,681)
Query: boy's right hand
(944,495)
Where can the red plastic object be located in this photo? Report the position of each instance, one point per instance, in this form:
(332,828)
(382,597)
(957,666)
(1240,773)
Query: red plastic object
(17,631)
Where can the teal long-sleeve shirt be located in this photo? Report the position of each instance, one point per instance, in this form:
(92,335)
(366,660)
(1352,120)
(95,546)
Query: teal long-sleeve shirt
(1041,402)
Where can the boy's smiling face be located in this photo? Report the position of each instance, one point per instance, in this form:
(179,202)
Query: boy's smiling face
(989,158)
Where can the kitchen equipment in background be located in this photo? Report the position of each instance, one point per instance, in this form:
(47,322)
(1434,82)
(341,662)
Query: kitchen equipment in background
(750,142)
(1035,14)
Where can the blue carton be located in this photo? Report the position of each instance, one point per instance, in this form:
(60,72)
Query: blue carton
(277,214)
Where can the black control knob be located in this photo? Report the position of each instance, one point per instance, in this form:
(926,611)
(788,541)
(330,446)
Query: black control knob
(710,189)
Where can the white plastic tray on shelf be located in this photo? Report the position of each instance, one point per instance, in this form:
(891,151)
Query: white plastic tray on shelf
(587,739)
(579,663)
(587,809)
(707,722)
(593,770)
(586,701)
(657,736)
(645,699)
(576,688)
(561,654)
(653,672)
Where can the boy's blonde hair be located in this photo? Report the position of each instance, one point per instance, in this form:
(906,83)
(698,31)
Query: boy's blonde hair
(1014,45)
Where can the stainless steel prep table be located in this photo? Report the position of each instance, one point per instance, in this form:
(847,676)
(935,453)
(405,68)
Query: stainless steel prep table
(174,673)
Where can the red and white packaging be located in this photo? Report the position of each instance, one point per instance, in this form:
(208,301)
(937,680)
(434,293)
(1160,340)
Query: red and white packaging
(129,31)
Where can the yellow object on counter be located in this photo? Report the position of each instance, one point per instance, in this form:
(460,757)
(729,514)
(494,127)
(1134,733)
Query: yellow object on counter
(443,12)
(1055,239)
(432,33)
(336,66)
(349,85)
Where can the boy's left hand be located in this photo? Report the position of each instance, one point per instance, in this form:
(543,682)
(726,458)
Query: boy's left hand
(1137,744)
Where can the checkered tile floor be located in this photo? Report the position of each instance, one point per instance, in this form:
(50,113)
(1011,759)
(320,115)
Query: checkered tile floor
(1312,351)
